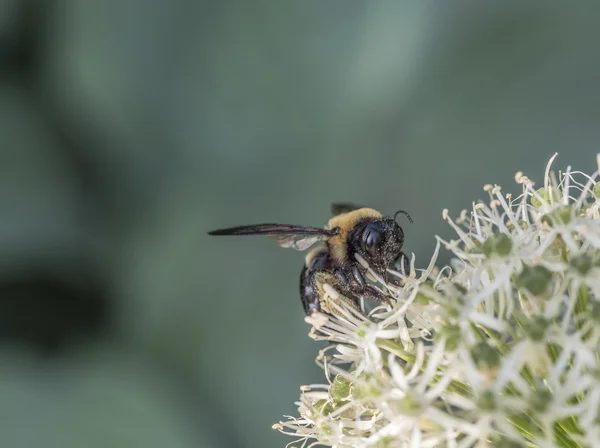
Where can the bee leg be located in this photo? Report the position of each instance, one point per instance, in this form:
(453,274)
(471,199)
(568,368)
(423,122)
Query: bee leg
(367,291)
(374,294)
(342,277)
(359,277)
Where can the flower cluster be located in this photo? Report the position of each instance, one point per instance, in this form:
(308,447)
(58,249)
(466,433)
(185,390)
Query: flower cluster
(501,348)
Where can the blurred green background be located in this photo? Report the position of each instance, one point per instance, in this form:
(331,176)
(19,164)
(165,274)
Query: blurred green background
(129,128)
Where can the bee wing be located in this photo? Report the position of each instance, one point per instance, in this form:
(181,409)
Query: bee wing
(298,242)
(288,236)
(338,208)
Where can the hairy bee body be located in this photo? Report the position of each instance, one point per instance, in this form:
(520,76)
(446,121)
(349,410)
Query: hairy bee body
(352,230)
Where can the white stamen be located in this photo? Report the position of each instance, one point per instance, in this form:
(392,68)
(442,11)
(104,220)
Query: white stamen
(547,172)
(518,176)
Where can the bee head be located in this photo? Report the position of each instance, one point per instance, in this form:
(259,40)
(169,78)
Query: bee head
(378,242)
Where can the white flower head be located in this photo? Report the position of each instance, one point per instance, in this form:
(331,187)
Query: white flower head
(501,348)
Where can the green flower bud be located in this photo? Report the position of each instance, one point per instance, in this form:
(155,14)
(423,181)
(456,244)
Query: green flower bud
(560,216)
(487,401)
(325,431)
(485,356)
(452,334)
(558,249)
(545,194)
(500,245)
(522,224)
(340,388)
(536,279)
(324,407)
(422,298)
(535,328)
(366,389)
(596,190)
(582,264)
(478,249)
(540,400)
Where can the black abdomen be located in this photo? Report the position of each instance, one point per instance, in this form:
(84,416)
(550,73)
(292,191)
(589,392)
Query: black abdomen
(318,261)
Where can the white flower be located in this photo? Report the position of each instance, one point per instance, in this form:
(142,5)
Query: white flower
(501,348)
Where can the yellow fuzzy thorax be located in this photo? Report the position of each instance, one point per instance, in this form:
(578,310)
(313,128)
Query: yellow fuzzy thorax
(346,223)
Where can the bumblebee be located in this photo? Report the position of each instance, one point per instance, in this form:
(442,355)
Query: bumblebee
(352,231)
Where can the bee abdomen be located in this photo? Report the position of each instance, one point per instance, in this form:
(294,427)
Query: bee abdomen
(318,259)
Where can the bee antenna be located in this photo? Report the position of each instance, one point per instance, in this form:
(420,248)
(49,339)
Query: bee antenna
(404,213)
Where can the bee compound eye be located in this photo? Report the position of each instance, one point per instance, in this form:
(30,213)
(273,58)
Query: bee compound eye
(372,238)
